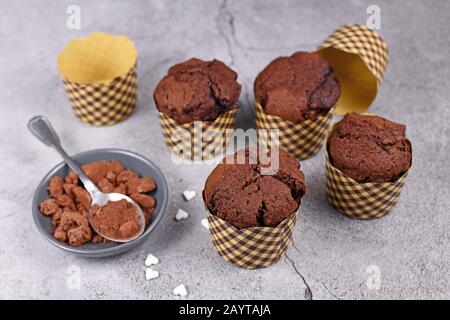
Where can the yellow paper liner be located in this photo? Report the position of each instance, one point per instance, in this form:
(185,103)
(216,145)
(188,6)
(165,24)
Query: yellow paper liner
(198,140)
(360,200)
(359,57)
(99,77)
(250,248)
(301,140)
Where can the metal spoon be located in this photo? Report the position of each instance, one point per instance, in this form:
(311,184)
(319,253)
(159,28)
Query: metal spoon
(43,130)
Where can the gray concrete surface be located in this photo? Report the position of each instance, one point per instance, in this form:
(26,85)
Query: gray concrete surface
(330,255)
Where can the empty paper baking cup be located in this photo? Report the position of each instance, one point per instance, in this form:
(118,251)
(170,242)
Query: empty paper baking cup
(359,57)
(354,199)
(198,140)
(302,140)
(250,248)
(99,76)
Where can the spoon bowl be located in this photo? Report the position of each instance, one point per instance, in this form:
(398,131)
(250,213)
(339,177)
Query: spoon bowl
(101,199)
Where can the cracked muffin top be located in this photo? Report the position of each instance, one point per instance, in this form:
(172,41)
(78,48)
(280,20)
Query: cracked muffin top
(370,148)
(197,90)
(240,193)
(297,88)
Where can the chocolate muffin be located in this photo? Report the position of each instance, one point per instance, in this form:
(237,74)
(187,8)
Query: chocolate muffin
(197,90)
(297,88)
(242,195)
(370,148)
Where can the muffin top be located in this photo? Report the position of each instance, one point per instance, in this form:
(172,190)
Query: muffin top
(370,148)
(296,88)
(240,193)
(197,90)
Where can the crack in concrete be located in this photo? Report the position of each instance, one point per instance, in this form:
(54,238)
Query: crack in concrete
(308,292)
(230,37)
(331,292)
(225,12)
(295,246)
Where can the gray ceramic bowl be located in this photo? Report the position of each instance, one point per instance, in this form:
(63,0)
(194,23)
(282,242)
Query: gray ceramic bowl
(131,160)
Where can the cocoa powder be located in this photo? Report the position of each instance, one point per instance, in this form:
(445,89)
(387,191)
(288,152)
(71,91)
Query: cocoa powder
(116,219)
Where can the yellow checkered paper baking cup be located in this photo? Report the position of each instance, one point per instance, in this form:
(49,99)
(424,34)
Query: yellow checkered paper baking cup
(198,140)
(99,77)
(250,248)
(353,199)
(302,140)
(359,57)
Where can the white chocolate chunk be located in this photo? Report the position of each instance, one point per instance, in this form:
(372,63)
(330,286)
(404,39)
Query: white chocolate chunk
(151,260)
(151,274)
(189,195)
(181,215)
(205,223)
(180,291)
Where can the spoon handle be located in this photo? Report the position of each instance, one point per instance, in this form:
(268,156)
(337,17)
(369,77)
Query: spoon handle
(43,130)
